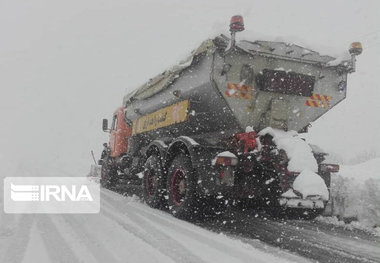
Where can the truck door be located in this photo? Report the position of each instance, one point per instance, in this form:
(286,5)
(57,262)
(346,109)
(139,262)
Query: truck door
(120,133)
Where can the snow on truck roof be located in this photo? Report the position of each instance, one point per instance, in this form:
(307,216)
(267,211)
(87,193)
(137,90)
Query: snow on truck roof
(284,50)
(279,50)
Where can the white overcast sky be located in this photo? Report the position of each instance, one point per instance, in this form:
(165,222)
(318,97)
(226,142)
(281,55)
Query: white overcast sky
(64,65)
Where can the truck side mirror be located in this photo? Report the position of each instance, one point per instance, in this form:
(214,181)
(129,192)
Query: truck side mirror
(105,125)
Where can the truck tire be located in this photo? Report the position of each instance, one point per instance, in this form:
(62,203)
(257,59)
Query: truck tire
(108,174)
(181,187)
(153,183)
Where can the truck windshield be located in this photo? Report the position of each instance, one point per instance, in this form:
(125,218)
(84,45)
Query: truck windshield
(286,82)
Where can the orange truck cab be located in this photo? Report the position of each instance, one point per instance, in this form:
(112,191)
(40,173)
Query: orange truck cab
(120,132)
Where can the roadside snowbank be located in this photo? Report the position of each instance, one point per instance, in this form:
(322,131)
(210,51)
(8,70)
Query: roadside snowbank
(333,220)
(356,192)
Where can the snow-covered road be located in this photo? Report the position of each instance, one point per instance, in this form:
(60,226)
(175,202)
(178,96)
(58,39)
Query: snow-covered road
(125,230)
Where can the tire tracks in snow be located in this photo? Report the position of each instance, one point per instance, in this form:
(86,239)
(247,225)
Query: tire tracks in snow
(238,253)
(305,240)
(212,245)
(18,237)
(156,239)
(83,244)
(107,241)
(157,222)
(57,248)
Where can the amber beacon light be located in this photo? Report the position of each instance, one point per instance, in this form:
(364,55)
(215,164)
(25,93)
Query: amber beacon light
(355,50)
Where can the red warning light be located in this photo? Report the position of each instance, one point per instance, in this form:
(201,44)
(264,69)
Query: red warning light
(237,24)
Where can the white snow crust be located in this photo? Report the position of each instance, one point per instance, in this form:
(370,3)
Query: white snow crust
(343,58)
(249,129)
(227,154)
(223,154)
(191,140)
(289,194)
(299,152)
(309,183)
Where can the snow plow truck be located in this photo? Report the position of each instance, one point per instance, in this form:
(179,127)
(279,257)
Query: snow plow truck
(225,124)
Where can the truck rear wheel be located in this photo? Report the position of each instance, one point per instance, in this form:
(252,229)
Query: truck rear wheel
(181,185)
(153,182)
